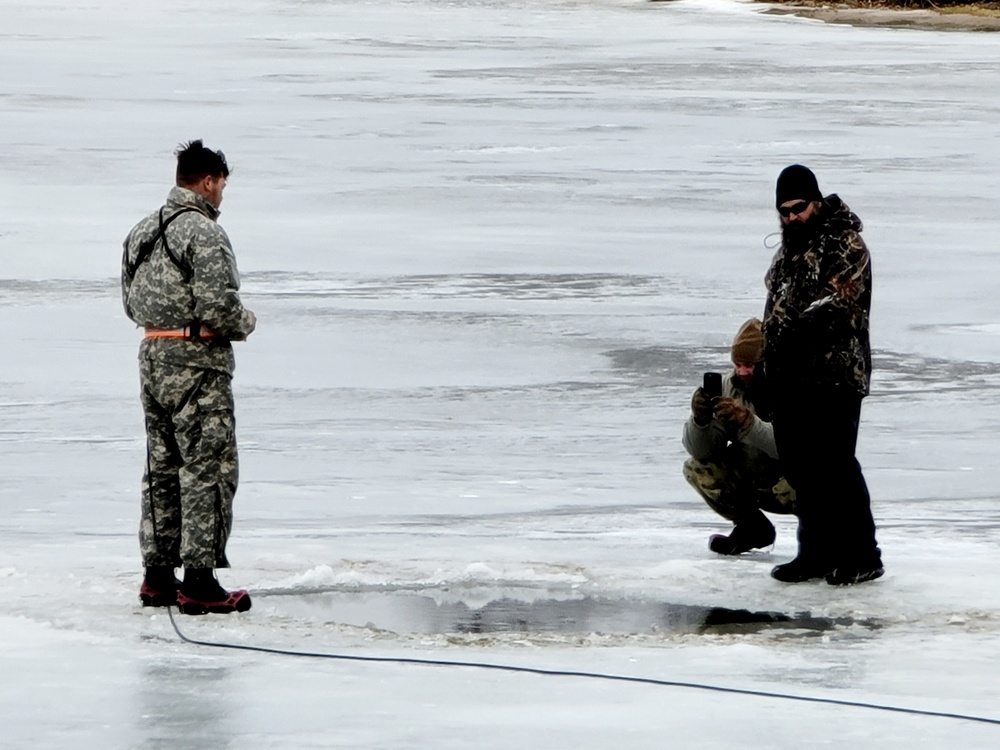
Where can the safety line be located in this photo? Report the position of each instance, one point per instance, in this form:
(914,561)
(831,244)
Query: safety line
(585,675)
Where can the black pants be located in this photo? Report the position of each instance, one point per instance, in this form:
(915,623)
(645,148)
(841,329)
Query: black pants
(816,433)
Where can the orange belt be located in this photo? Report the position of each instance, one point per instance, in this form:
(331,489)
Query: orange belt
(187,332)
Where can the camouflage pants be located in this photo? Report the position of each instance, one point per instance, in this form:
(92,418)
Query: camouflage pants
(733,496)
(191,466)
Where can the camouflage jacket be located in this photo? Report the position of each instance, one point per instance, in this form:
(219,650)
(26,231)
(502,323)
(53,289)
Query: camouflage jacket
(199,285)
(818,301)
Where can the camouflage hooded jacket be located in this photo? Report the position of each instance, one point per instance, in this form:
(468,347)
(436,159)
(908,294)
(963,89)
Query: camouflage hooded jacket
(199,284)
(818,301)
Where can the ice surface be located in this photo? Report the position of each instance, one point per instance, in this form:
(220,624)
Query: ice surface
(492,246)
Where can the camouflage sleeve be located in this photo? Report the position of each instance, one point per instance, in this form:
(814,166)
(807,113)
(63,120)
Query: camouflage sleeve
(215,283)
(129,252)
(768,307)
(849,276)
(846,278)
(769,285)
(126,282)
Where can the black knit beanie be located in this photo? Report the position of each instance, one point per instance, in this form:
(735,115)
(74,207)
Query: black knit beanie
(797,182)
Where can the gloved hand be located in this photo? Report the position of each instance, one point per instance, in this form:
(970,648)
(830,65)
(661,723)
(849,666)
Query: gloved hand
(701,407)
(734,415)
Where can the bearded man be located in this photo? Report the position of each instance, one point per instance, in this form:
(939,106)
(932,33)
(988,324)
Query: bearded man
(817,358)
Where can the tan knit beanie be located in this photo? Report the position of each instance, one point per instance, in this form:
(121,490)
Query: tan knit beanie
(748,346)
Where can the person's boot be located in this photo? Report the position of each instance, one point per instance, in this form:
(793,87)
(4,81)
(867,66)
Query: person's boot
(803,568)
(815,558)
(200,593)
(865,568)
(159,587)
(753,532)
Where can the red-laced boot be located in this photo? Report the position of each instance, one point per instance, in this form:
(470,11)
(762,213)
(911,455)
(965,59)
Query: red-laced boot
(159,587)
(201,594)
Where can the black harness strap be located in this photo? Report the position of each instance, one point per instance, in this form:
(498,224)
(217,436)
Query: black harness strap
(146,248)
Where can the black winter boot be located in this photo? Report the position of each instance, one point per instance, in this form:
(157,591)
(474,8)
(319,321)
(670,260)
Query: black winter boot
(864,568)
(802,568)
(750,533)
(159,587)
(815,558)
(200,593)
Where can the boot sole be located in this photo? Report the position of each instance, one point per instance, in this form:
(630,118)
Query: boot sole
(800,579)
(868,575)
(235,603)
(732,551)
(803,577)
(157,600)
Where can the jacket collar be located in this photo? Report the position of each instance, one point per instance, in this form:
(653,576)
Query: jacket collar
(182,197)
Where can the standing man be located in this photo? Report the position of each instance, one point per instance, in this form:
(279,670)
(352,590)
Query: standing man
(818,362)
(734,463)
(181,285)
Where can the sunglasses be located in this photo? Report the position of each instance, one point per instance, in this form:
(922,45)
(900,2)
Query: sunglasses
(795,208)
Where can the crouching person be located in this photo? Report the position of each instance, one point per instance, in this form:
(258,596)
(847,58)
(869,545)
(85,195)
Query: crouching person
(734,463)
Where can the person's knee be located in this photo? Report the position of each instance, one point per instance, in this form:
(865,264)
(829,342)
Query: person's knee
(703,474)
(713,482)
(783,492)
(218,434)
(779,498)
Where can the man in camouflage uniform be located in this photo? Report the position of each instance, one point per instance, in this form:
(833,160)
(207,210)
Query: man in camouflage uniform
(734,462)
(818,362)
(181,285)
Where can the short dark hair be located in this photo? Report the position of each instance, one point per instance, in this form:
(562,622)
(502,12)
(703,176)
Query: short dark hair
(195,162)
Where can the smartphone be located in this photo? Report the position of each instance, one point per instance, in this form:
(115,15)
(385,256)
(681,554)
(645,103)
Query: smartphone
(712,384)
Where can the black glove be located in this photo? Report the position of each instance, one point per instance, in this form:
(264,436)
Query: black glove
(701,407)
(737,418)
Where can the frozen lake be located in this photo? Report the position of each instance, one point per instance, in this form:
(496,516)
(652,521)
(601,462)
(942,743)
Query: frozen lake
(492,246)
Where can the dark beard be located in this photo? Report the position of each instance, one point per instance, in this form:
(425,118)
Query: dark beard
(798,236)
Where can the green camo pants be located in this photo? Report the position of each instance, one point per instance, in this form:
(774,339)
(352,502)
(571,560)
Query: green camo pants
(735,497)
(191,466)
